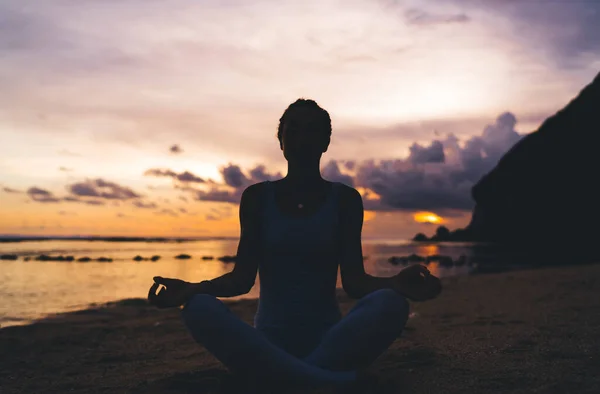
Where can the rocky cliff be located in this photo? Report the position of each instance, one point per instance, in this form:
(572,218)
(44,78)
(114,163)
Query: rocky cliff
(546,189)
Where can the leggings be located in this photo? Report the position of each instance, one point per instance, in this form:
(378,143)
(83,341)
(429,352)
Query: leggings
(351,344)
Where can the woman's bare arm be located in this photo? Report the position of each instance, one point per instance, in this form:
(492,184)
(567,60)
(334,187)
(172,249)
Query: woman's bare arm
(241,279)
(355,281)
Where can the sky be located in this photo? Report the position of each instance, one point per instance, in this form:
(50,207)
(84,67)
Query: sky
(149,118)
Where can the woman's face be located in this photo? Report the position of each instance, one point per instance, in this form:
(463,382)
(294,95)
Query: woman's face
(300,137)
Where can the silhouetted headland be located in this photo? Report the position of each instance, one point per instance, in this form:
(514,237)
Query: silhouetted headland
(544,193)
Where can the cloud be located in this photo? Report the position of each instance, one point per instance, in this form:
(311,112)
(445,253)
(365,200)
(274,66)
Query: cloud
(93,202)
(167,212)
(331,171)
(175,149)
(102,189)
(233,176)
(434,153)
(42,195)
(10,190)
(434,176)
(235,182)
(219,196)
(421,183)
(424,18)
(144,205)
(568,31)
(186,176)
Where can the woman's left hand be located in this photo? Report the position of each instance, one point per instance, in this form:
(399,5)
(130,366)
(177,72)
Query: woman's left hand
(417,284)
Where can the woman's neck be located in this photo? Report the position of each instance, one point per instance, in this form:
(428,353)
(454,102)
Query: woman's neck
(303,173)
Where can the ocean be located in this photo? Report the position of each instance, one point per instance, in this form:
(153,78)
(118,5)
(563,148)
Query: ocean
(32,289)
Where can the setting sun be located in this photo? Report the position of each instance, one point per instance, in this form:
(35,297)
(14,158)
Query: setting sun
(427,217)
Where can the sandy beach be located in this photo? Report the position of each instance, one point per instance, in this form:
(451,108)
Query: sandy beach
(515,332)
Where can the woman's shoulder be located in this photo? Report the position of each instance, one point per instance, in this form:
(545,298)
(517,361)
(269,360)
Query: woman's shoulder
(347,192)
(253,194)
(349,197)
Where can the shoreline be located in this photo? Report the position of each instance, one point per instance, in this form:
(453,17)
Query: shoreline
(518,331)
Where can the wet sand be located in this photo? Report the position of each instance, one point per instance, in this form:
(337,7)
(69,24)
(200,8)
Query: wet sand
(516,332)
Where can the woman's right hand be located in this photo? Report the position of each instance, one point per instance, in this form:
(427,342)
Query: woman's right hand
(417,284)
(175,292)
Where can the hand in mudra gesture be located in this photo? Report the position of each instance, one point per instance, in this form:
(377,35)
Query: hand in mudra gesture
(417,284)
(174,293)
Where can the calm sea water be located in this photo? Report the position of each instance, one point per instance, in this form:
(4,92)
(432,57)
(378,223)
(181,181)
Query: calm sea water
(33,289)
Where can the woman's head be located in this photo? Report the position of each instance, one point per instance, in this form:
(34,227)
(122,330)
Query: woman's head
(304,130)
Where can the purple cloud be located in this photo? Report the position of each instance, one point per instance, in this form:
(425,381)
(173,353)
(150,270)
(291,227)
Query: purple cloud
(185,176)
(175,149)
(235,182)
(332,172)
(423,18)
(102,189)
(435,176)
(434,153)
(41,195)
(144,205)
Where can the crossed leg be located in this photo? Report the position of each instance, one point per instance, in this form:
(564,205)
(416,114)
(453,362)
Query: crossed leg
(354,342)
(363,334)
(246,352)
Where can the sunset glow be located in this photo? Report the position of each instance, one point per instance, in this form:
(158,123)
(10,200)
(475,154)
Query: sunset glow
(187,97)
(427,217)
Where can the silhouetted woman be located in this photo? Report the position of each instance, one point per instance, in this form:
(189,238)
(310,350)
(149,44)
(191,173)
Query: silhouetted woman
(295,232)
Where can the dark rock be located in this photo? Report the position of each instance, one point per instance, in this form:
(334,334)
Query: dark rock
(446,261)
(45,257)
(183,256)
(462,260)
(207,257)
(433,258)
(155,258)
(84,259)
(105,260)
(545,188)
(420,237)
(227,259)
(8,257)
(414,258)
(138,258)
(442,234)
(394,260)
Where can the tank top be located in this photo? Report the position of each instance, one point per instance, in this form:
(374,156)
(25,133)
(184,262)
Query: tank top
(298,273)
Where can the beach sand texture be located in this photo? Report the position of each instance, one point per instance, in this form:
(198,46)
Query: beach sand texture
(535,331)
